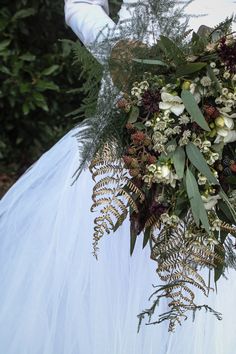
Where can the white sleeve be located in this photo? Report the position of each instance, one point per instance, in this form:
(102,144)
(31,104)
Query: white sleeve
(88,19)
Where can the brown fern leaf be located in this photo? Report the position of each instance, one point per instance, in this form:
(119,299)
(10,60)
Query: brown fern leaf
(179,260)
(228,228)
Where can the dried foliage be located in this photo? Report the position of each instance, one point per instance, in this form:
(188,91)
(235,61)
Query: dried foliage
(180,259)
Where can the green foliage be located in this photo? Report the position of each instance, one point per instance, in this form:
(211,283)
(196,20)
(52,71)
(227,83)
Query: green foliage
(36,73)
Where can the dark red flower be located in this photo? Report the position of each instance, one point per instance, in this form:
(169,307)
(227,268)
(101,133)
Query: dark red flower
(151,100)
(227,53)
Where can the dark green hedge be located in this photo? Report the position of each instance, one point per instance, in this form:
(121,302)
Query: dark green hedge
(36,73)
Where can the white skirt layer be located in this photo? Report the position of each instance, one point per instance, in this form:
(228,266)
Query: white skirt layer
(55,298)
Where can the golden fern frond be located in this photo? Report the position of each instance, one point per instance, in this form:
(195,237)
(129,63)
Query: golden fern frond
(134,189)
(179,260)
(228,228)
(106,169)
(129,199)
(152,220)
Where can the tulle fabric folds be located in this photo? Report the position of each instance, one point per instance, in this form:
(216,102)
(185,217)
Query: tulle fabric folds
(55,298)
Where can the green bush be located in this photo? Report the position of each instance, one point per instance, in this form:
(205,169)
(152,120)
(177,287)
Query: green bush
(36,74)
(38,80)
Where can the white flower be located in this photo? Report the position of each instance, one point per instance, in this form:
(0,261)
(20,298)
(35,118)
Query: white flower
(205,81)
(172,103)
(226,75)
(234,77)
(213,158)
(201,179)
(225,128)
(152,168)
(210,202)
(148,124)
(216,71)
(225,91)
(147,179)
(165,175)
(213,65)
(218,100)
(184,119)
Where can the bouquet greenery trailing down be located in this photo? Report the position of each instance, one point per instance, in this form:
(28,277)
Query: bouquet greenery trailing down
(169,164)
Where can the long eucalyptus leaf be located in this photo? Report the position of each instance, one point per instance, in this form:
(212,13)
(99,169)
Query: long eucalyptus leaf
(146,237)
(197,159)
(151,62)
(193,109)
(197,205)
(190,68)
(229,205)
(179,161)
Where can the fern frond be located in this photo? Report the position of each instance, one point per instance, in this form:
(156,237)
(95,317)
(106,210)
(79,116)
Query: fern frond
(179,261)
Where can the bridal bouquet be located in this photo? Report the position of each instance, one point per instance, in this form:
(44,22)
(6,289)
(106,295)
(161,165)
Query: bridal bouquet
(169,165)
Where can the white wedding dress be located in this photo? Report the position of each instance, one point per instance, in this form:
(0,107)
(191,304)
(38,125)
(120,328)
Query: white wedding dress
(55,298)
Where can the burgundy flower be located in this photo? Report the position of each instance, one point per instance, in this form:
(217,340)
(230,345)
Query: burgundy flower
(227,53)
(150,101)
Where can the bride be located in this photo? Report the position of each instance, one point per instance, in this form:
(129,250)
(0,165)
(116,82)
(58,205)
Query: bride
(55,298)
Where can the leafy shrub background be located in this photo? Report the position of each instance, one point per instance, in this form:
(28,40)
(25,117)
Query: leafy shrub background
(38,81)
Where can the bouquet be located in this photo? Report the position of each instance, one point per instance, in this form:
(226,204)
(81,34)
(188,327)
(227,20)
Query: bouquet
(169,165)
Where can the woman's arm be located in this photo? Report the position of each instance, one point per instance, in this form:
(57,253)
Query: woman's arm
(88,19)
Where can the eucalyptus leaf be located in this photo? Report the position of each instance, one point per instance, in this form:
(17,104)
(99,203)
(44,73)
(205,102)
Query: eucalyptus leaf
(197,205)
(146,236)
(133,115)
(229,205)
(226,211)
(151,62)
(197,159)
(179,161)
(184,70)
(133,238)
(139,126)
(193,109)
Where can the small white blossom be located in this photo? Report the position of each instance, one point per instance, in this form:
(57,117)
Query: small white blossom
(152,168)
(226,75)
(170,148)
(211,201)
(213,65)
(213,158)
(225,91)
(216,225)
(184,119)
(205,146)
(205,81)
(165,175)
(216,71)
(148,124)
(201,179)
(219,100)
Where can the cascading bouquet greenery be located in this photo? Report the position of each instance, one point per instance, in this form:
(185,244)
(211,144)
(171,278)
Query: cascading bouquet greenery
(170,165)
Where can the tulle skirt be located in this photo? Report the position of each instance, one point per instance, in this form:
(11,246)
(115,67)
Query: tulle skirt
(56,298)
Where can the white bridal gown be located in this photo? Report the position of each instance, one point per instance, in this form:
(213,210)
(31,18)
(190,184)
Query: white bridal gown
(55,298)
